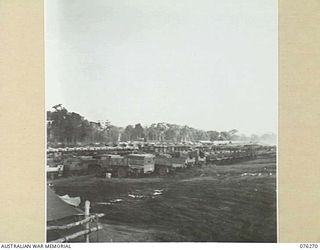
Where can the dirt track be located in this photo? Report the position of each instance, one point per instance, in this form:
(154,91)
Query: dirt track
(212,203)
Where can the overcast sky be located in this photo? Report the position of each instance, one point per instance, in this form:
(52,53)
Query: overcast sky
(209,64)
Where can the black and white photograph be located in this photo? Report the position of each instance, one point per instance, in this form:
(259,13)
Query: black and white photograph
(161,120)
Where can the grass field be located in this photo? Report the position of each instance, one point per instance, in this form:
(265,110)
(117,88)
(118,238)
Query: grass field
(234,203)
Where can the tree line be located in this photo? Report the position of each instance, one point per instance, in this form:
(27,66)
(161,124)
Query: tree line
(70,128)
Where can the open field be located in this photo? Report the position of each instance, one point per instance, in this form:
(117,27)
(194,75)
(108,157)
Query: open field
(233,203)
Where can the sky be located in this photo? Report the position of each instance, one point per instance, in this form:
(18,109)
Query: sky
(208,64)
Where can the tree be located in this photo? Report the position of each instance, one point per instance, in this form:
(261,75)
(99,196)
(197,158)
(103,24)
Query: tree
(113,134)
(71,128)
(224,136)
(254,138)
(128,133)
(138,131)
(213,135)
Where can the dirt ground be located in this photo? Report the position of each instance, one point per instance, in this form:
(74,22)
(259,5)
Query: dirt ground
(234,203)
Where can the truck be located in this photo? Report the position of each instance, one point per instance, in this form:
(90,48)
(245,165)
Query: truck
(168,163)
(115,165)
(124,166)
(79,165)
(225,155)
(54,172)
(141,163)
(54,168)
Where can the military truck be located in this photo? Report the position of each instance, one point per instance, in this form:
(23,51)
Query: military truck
(54,168)
(164,164)
(124,166)
(225,155)
(167,163)
(140,164)
(115,165)
(79,165)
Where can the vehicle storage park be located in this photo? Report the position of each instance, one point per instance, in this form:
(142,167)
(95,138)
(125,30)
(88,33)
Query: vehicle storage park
(172,192)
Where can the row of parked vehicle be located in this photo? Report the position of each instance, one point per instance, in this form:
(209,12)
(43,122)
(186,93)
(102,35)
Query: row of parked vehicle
(139,164)
(119,166)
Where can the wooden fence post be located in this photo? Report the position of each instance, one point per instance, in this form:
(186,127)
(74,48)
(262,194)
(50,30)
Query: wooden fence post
(87,214)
